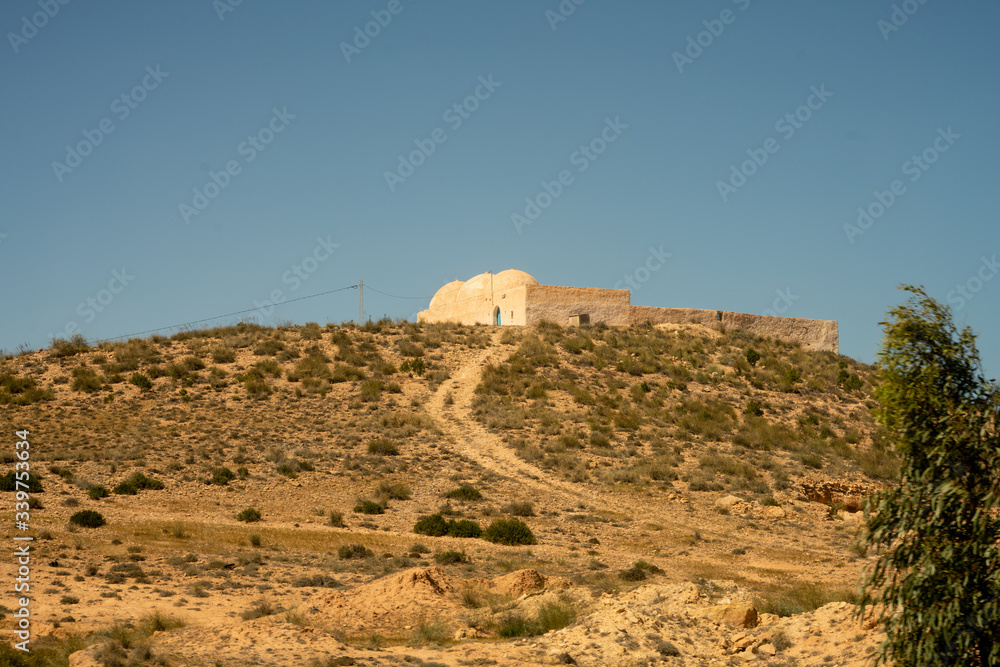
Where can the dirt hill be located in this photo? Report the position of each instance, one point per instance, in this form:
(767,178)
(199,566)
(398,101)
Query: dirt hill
(262,486)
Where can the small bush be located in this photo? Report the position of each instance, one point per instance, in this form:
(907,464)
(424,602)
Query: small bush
(369,507)
(753,409)
(86,380)
(8,482)
(354,551)
(512,532)
(383,447)
(519,508)
(88,519)
(804,597)
(141,381)
(336,519)
(464,528)
(449,558)
(222,476)
(260,609)
(98,491)
(136,482)
(464,492)
(393,491)
(752,356)
(249,515)
(433,525)
(67,348)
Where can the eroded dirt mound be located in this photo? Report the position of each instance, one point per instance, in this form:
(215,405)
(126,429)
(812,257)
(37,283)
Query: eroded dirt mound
(516,584)
(847,495)
(389,606)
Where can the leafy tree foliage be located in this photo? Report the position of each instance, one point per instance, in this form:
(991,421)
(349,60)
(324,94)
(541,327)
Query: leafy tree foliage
(938,573)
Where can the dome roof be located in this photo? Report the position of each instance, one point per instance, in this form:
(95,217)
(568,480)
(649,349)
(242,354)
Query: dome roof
(447,294)
(511,278)
(475,287)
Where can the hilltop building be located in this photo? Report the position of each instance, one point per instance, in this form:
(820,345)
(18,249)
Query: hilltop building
(514,297)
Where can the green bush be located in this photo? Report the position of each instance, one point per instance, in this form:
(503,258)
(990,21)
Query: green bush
(383,447)
(222,476)
(88,519)
(464,528)
(86,380)
(354,551)
(753,409)
(141,381)
(369,507)
(97,491)
(519,508)
(15,390)
(67,348)
(393,491)
(450,557)
(249,515)
(8,482)
(136,482)
(433,525)
(512,532)
(752,356)
(415,366)
(464,492)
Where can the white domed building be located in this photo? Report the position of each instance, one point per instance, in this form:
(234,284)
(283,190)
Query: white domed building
(513,297)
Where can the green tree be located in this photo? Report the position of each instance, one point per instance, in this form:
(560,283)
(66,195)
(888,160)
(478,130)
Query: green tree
(938,573)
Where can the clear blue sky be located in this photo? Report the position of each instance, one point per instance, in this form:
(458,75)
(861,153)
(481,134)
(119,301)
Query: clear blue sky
(309,133)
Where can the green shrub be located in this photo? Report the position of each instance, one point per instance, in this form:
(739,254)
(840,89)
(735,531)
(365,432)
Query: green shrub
(354,551)
(223,354)
(8,482)
(519,508)
(222,476)
(15,390)
(268,348)
(433,525)
(141,381)
(464,528)
(804,597)
(136,482)
(369,507)
(86,380)
(415,366)
(88,519)
(512,532)
(449,557)
(464,492)
(371,390)
(249,515)
(68,348)
(383,447)
(393,491)
(752,356)
(336,519)
(97,491)
(753,409)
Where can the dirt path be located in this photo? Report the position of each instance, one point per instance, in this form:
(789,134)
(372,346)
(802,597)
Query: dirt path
(471,439)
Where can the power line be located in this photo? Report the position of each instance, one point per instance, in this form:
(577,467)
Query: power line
(396,296)
(217,317)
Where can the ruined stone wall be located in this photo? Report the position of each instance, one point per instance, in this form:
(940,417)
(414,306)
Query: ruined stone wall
(814,334)
(558,304)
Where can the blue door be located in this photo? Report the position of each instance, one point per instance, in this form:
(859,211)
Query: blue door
(496,316)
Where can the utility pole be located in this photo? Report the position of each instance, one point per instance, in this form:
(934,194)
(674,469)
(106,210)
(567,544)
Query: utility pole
(361,304)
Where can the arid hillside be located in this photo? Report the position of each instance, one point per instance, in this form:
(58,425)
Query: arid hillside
(412,494)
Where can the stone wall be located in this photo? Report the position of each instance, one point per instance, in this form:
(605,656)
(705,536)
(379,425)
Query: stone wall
(814,334)
(558,304)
